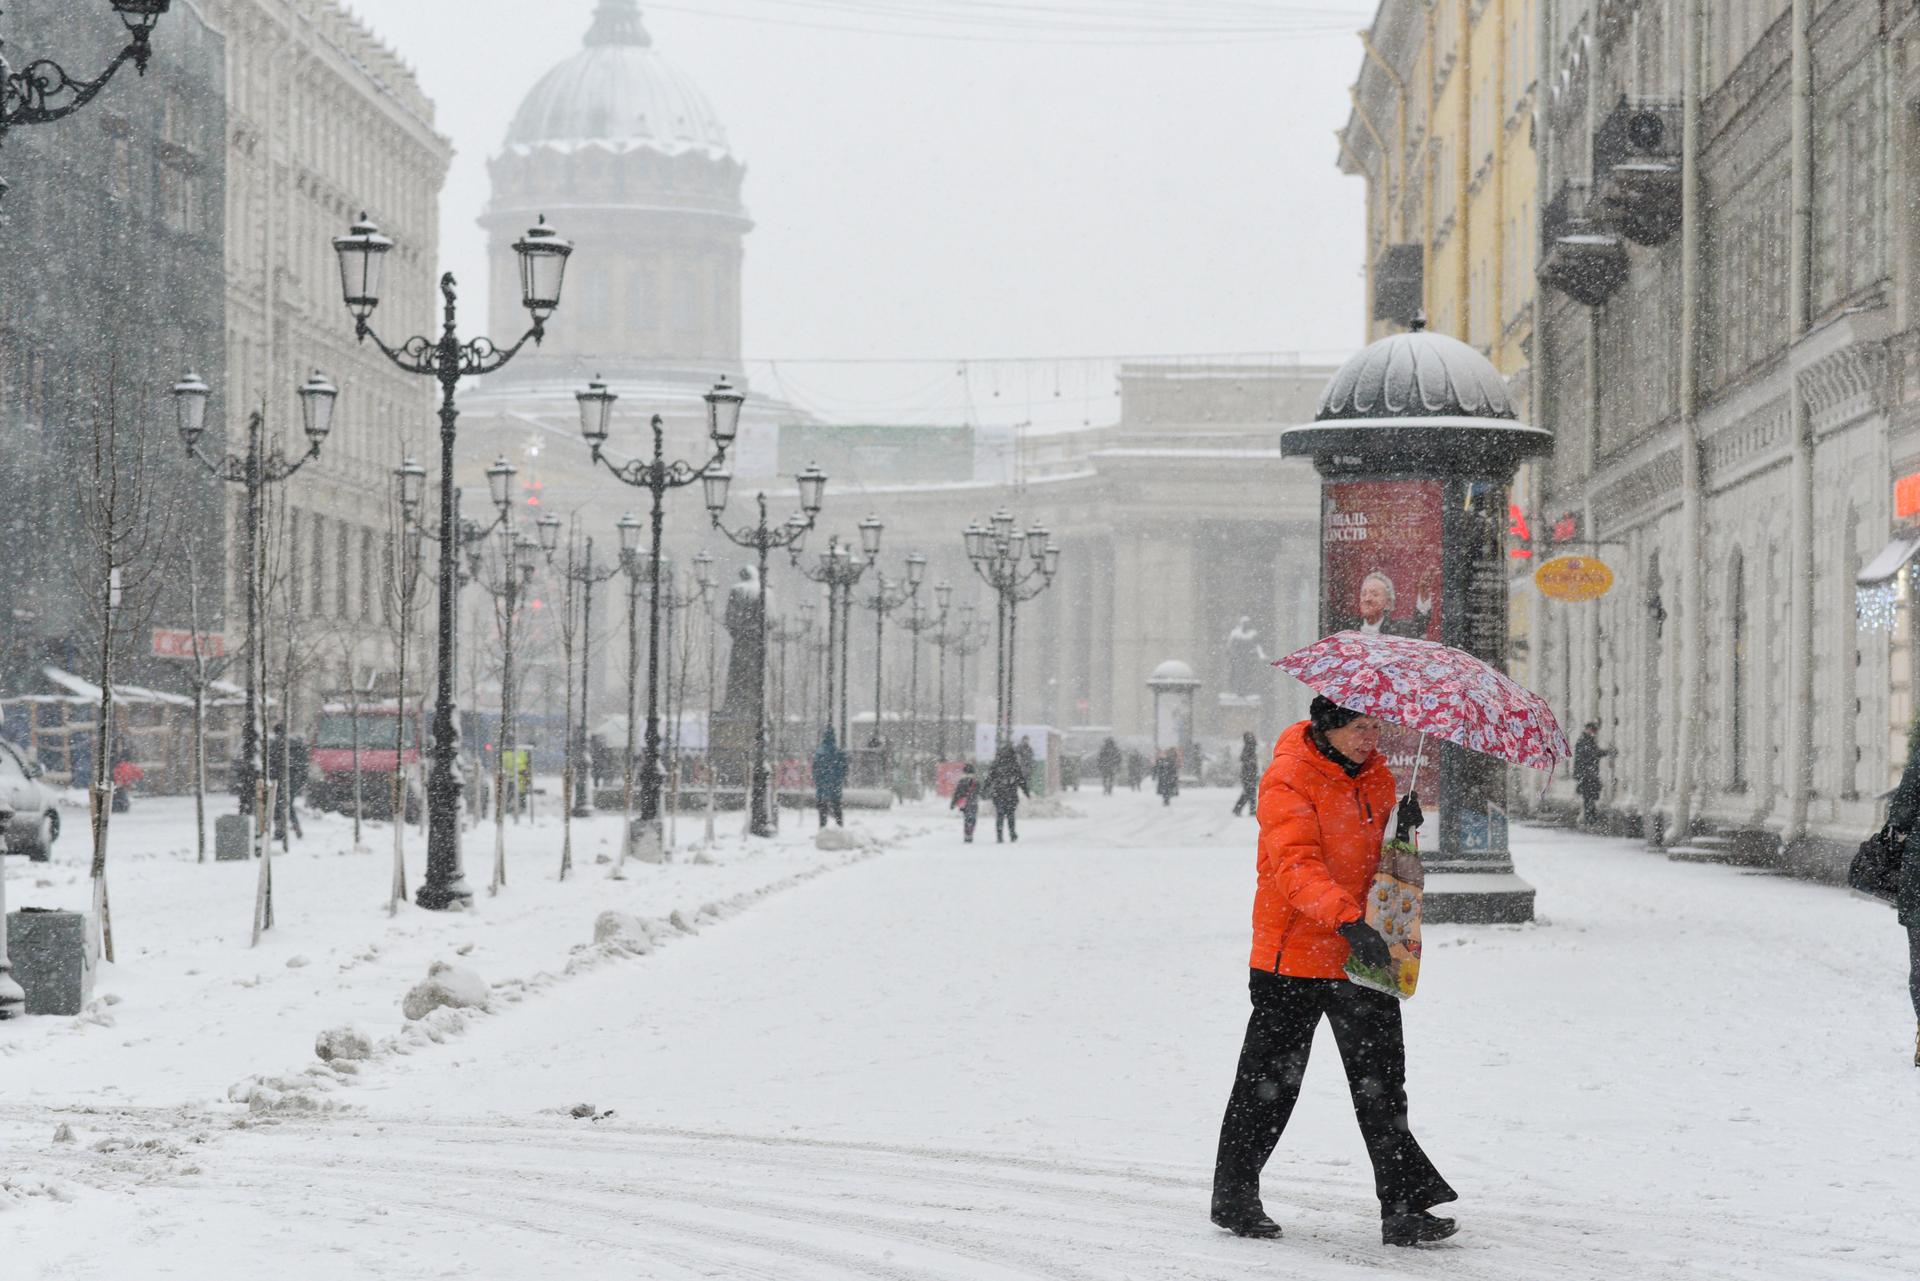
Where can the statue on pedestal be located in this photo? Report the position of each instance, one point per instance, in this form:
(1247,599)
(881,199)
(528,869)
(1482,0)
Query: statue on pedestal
(1247,665)
(746,658)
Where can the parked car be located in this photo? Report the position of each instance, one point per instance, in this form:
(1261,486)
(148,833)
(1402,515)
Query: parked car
(35,824)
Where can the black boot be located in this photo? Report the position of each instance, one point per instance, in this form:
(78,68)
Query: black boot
(1400,1226)
(1245,1220)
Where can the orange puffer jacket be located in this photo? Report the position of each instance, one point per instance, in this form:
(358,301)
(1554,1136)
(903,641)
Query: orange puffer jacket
(1320,837)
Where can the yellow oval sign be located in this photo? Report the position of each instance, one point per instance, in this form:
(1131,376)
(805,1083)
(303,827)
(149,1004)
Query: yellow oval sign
(1573,578)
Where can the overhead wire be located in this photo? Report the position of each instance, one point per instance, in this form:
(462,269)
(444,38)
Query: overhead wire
(838,15)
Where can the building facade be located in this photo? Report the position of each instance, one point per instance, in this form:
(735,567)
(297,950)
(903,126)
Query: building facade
(1727,354)
(324,122)
(114,225)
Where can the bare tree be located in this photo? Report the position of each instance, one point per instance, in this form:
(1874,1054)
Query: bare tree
(569,632)
(124,526)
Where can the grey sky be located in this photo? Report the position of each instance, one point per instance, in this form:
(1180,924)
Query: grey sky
(947,198)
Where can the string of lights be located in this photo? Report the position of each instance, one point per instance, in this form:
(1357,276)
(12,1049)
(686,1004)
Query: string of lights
(1202,22)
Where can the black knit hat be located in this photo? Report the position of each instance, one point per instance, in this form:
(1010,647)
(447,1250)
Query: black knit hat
(1329,715)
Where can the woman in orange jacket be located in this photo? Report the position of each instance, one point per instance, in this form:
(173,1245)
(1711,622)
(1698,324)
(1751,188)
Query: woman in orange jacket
(1323,809)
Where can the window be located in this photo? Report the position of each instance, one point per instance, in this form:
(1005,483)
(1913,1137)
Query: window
(367,580)
(343,566)
(317,567)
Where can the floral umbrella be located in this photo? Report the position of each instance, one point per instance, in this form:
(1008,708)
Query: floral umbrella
(1434,689)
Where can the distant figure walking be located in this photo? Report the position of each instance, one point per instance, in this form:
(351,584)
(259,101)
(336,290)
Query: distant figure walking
(283,753)
(1587,755)
(1249,775)
(966,799)
(1107,761)
(1166,776)
(829,779)
(1005,782)
(1903,818)
(1136,769)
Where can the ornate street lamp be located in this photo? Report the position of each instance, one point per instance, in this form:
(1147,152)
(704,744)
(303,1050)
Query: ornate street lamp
(886,598)
(587,578)
(516,559)
(761,537)
(1019,565)
(362,254)
(253,471)
(919,619)
(42,91)
(657,477)
(838,569)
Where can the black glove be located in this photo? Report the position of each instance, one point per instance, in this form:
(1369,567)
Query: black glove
(1369,948)
(1411,816)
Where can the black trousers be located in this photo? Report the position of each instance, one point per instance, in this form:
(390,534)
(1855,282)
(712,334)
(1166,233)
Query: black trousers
(1273,1061)
(1003,819)
(829,806)
(1247,798)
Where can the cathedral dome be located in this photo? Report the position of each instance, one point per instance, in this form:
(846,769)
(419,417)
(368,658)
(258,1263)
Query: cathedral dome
(619,94)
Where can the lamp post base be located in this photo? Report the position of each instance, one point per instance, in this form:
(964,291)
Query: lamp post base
(439,898)
(645,841)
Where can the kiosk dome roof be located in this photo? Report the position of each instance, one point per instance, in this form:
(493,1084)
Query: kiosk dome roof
(1419,374)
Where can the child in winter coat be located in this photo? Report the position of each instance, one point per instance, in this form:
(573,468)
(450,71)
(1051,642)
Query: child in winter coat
(966,799)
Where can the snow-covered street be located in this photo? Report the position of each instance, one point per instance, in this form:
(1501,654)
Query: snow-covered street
(966,1062)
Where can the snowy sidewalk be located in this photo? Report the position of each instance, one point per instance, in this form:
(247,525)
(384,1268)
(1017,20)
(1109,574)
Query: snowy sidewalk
(1009,1061)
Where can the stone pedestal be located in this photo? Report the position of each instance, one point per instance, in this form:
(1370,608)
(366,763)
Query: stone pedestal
(731,749)
(51,959)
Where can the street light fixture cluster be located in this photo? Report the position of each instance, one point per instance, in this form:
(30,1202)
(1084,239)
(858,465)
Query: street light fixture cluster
(362,254)
(657,476)
(1019,565)
(762,538)
(254,471)
(838,569)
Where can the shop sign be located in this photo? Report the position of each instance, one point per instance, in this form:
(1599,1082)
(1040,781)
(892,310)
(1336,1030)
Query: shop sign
(1573,578)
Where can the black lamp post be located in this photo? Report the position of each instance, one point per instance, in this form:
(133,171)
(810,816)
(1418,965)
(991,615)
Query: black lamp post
(543,263)
(42,91)
(254,471)
(657,477)
(887,597)
(838,569)
(1018,566)
(761,537)
(919,619)
(516,560)
(588,578)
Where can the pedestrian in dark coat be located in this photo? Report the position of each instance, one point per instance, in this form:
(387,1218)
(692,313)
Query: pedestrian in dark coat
(1903,816)
(1324,807)
(1136,769)
(1166,776)
(1108,762)
(286,783)
(966,799)
(1249,775)
(829,779)
(1005,782)
(1587,755)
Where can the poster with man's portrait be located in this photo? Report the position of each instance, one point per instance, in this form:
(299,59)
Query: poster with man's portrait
(1380,575)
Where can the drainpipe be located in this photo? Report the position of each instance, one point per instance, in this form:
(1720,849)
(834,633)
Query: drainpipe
(1693,634)
(1799,284)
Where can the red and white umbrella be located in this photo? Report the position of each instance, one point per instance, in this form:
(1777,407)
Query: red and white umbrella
(1437,690)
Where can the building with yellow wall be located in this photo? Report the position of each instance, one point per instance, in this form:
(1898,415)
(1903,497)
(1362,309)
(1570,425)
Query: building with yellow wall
(1440,129)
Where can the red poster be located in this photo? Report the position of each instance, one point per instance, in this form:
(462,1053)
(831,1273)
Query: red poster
(1381,573)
